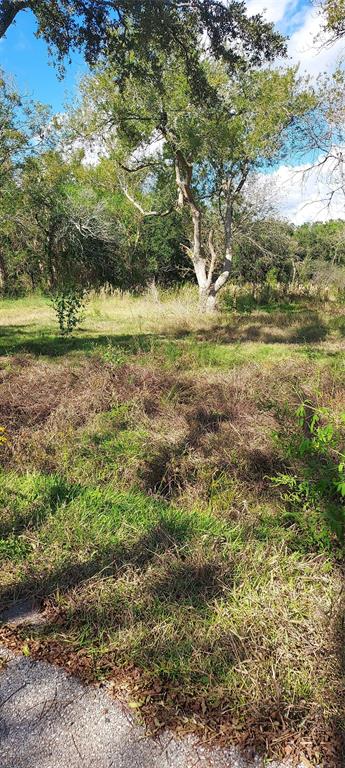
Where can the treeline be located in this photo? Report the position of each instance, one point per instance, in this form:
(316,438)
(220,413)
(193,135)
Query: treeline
(61,226)
(98,212)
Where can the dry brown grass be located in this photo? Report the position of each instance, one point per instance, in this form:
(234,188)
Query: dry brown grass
(197,426)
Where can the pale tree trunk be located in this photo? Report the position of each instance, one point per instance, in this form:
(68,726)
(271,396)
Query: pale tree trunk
(8,12)
(153,290)
(199,262)
(223,277)
(183,173)
(214,288)
(208,289)
(294,270)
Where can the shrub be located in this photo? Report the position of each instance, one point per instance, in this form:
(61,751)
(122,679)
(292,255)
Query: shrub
(69,304)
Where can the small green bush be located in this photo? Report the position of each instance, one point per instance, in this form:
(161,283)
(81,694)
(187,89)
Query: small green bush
(69,305)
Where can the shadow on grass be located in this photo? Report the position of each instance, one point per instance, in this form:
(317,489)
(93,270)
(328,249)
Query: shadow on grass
(49,345)
(265,328)
(175,606)
(149,601)
(165,535)
(165,472)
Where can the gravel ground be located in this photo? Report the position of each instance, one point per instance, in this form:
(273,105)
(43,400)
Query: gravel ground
(48,719)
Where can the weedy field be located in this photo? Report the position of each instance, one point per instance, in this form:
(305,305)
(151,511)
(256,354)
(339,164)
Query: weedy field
(172,492)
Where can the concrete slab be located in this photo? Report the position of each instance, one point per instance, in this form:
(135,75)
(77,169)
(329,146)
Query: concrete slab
(49,719)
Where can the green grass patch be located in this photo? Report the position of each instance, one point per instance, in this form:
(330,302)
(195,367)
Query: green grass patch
(187,597)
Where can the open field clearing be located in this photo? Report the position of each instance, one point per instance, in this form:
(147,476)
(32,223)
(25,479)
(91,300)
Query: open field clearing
(171,497)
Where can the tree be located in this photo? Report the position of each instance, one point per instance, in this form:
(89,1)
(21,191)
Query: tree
(209,149)
(22,132)
(76,237)
(321,241)
(320,133)
(61,223)
(264,248)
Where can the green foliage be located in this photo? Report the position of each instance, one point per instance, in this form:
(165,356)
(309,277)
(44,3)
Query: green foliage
(323,440)
(320,241)
(134,33)
(14,549)
(334,11)
(69,304)
(263,251)
(159,253)
(320,491)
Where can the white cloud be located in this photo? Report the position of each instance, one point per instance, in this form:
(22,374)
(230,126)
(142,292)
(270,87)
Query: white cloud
(303,24)
(313,56)
(273,10)
(305,195)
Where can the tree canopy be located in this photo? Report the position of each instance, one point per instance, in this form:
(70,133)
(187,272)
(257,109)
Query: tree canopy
(129,31)
(181,116)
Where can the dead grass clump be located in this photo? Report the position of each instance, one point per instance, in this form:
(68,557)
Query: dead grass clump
(209,425)
(40,402)
(185,429)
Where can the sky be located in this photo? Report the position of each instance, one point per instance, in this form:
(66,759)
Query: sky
(26,58)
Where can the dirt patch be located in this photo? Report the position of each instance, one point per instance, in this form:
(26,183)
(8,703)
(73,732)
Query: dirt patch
(22,612)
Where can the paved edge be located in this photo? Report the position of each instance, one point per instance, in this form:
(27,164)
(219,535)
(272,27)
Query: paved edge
(49,719)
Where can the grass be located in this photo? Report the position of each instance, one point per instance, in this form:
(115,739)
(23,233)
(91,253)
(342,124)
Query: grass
(138,506)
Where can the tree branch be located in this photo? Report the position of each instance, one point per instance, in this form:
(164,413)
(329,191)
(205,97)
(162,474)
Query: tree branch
(142,211)
(140,167)
(8,12)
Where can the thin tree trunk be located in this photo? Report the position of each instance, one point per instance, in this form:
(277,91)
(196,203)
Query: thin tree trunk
(50,260)
(8,13)
(153,290)
(294,270)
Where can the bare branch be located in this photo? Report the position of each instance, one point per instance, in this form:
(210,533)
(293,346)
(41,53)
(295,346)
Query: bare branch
(139,207)
(8,12)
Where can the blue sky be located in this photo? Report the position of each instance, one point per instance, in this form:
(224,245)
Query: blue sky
(26,57)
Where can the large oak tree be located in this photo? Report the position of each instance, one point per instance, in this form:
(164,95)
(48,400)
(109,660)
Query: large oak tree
(210,149)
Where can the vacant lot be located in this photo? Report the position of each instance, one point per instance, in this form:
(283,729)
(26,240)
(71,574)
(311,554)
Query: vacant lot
(171,494)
